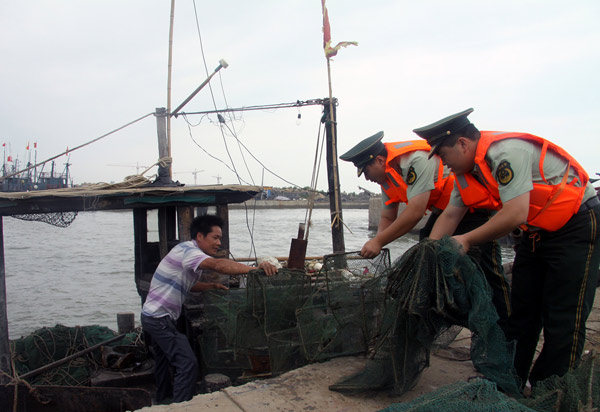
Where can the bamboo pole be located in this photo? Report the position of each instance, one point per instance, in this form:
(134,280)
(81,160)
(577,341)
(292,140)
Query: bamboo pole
(170,65)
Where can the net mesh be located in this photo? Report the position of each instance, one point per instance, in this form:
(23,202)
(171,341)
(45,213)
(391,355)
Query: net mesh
(59,219)
(431,288)
(47,345)
(285,321)
(576,391)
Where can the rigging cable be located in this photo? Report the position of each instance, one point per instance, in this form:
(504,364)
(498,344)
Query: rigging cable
(314,179)
(66,152)
(205,151)
(212,94)
(221,128)
(234,132)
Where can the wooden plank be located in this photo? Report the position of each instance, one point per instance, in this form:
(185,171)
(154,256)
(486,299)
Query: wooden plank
(54,204)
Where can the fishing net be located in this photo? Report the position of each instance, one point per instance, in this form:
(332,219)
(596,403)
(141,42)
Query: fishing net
(477,395)
(431,288)
(577,391)
(285,321)
(47,345)
(60,219)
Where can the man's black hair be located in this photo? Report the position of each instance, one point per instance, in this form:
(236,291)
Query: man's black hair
(469,131)
(204,224)
(383,152)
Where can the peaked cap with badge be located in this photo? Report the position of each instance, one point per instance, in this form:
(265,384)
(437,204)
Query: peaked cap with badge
(435,133)
(364,152)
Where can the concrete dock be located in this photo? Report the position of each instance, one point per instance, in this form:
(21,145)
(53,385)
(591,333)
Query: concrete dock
(306,388)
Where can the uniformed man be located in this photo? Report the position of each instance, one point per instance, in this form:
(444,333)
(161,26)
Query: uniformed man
(407,175)
(537,185)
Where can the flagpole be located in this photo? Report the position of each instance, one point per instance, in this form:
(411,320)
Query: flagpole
(336,219)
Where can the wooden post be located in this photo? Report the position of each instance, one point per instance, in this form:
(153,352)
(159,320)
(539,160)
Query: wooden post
(125,322)
(223,212)
(335,198)
(140,245)
(166,217)
(164,150)
(185,215)
(5,364)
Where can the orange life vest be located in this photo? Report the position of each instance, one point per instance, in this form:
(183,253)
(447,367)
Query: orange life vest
(395,186)
(550,206)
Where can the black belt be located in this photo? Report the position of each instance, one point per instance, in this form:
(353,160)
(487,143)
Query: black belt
(589,204)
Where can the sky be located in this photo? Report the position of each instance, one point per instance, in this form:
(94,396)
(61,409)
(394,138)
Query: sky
(75,70)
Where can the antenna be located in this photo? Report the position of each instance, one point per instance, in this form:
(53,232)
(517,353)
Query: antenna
(195,173)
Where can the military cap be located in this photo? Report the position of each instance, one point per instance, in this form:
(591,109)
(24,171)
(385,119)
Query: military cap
(435,133)
(364,152)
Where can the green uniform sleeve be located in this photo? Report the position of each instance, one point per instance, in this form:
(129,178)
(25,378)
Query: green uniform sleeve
(511,162)
(418,172)
(455,199)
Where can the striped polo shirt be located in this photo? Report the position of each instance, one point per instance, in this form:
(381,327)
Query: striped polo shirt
(173,279)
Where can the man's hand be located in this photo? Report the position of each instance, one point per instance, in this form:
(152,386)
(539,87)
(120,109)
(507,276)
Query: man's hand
(463,242)
(371,249)
(202,286)
(269,269)
(219,286)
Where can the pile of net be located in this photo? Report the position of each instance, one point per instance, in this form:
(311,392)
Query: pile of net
(47,345)
(577,391)
(285,321)
(431,288)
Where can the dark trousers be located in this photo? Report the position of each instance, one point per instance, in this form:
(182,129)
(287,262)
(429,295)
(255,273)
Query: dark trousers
(171,349)
(554,282)
(487,255)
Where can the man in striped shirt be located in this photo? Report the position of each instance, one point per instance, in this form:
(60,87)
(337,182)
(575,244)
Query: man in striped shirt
(178,273)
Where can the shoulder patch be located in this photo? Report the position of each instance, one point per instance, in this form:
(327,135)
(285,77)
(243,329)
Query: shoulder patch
(504,173)
(411,176)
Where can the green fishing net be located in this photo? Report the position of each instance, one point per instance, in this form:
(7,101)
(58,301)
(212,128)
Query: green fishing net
(576,391)
(282,322)
(47,345)
(431,288)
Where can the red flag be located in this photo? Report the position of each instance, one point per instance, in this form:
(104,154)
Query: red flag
(27,145)
(331,51)
(9,159)
(35,145)
(3,144)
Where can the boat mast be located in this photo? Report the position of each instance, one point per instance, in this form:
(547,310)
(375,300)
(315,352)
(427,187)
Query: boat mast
(335,199)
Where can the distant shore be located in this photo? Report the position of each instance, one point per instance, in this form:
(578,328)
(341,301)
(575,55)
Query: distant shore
(294,204)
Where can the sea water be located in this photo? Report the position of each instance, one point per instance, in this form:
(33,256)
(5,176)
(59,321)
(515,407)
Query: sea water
(84,274)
